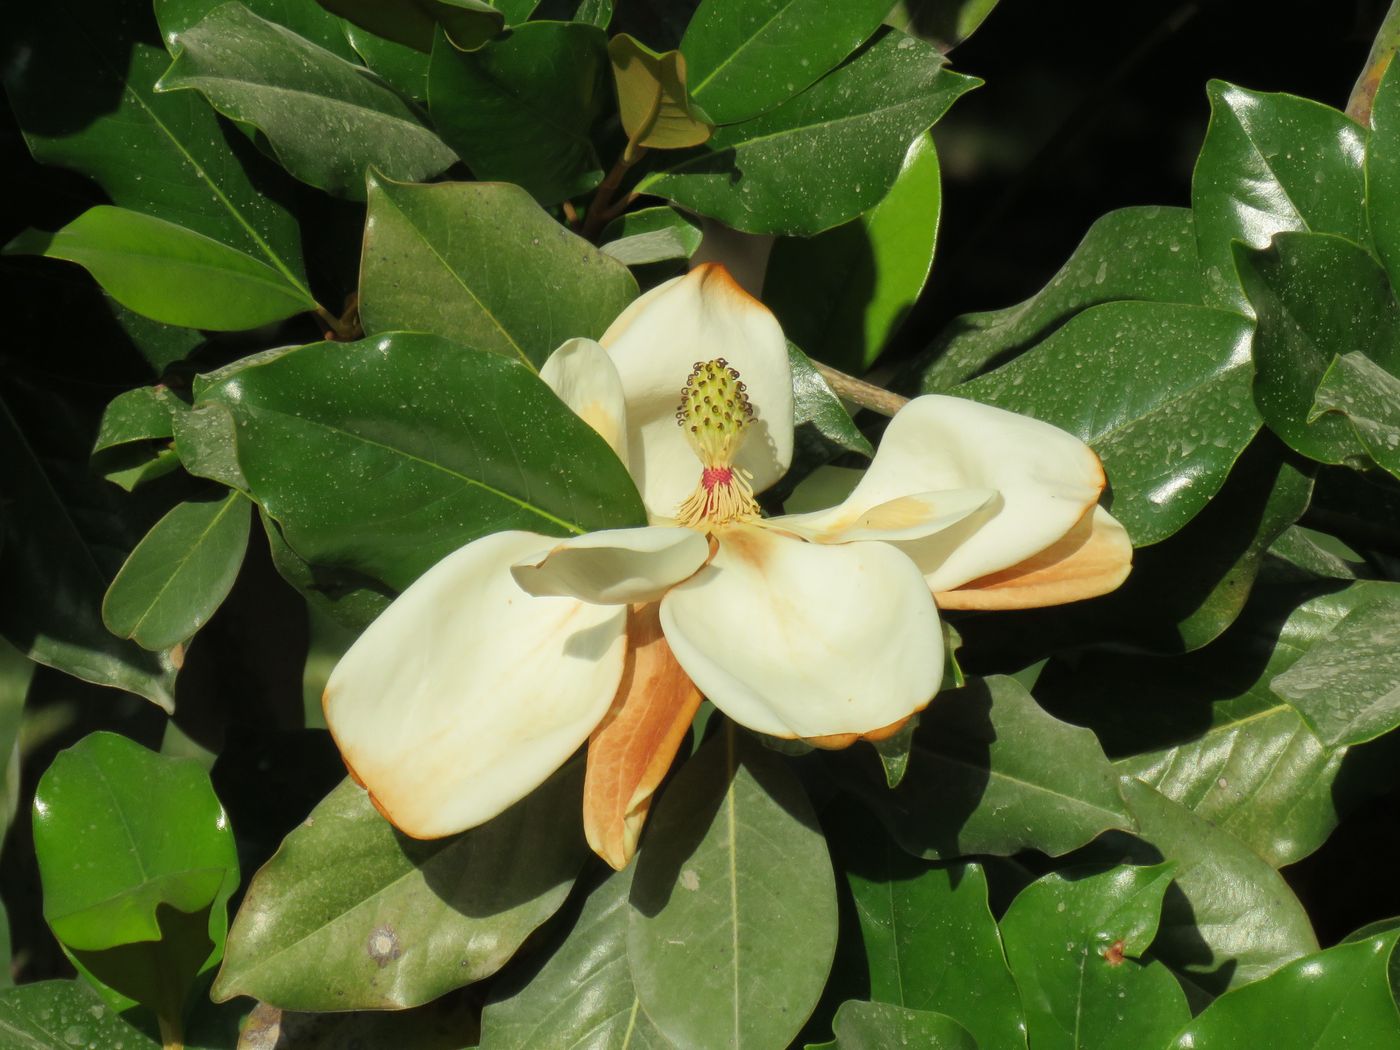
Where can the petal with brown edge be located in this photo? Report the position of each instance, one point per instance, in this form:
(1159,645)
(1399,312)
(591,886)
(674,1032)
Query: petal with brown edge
(1093,558)
(635,744)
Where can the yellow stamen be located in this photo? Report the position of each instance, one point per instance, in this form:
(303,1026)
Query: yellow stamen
(716,415)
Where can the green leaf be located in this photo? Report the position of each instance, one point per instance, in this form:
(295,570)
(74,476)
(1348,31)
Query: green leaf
(294,92)
(306,18)
(1235,920)
(191,172)
(747,56)
(1334,998)
(350,914)
(1316,297)
(1075,943)
(652,102)
(134,439)
(650,235)
(53,581)
(583,995)
(160,344)
(992,773)
(169,273)
(944,23)
(520,108)
(61,1015)
(1132,253)
(1348,685)
(733,870)
(180,573)
(401,67)
(1368,397)
(351,599)
(1269,163)
(490,270)
(468,23)
(385,455)
(822,158)
(929,938)
(1383,174)
(875,1026)
(1170,411)
(817,411)
(844,293)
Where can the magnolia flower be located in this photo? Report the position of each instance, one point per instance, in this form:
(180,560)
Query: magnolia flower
(488,672)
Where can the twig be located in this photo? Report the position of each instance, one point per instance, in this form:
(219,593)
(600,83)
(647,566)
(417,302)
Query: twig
(337,329)
(570,213)
(1382,51)
(866,395)
(600,210)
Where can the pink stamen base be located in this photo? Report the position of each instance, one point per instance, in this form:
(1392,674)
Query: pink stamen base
(713,476)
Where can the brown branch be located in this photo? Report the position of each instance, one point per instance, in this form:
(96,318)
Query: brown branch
(600,211)
(866,395)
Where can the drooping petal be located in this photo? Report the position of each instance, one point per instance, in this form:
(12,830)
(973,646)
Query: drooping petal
(799,639)
(904,518)
(1045,478)
(1093,558)
(633,747)
(584,377)
(614,566)
(467,692)
(657,341)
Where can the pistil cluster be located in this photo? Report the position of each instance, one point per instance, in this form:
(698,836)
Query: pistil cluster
(716,415)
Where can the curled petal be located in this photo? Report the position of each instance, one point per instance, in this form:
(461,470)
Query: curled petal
(904,518)
(583,375)
(615,566)
(1045,478)
(467,692)
(633,747)
(808,640)
(655,343)
(1093,558)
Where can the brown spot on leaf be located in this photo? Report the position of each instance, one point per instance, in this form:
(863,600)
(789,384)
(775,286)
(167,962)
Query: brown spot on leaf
(383,946)
(1113,954)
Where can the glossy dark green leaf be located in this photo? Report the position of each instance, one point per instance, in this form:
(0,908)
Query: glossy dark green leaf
(1383,174)
(180,573)
(991,772)
(819,410)
(489,268)
(1269,163)
(844,293)
(516,11)
(95,123)
(53,581)
(160,344)
(1368,397)
(64,1015)
(134,439)
(403,68)
(945,23)
(349,598)
(325,120)
(1347,685)
(733,870)
(652,99)
(1133,253)
(822,158)
(120,830)
(306,18)
(350,914)
(1234,920)
(929,937)
(169,273)
(1170,411)
(650,235)
(468,23)
(1316,296)
(386,455)
(1340,997)
(875,1026)
(583,995)
(746,56)
(520,108)
(1075,942)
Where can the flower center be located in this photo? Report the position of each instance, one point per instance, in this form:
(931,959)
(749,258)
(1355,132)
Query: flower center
(716,415)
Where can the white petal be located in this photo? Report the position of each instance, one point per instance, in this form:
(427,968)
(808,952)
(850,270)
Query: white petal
(903,518)
(467,692)
(1046,479)
(800,639)
(584,377)
(657,341)
(615,566)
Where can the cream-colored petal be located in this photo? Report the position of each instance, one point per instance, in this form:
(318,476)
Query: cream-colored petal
(799,639)
(656,342)
(584,377)
(615,566)
(903,518)
(1093,558)
(467,692)
(1045,479)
